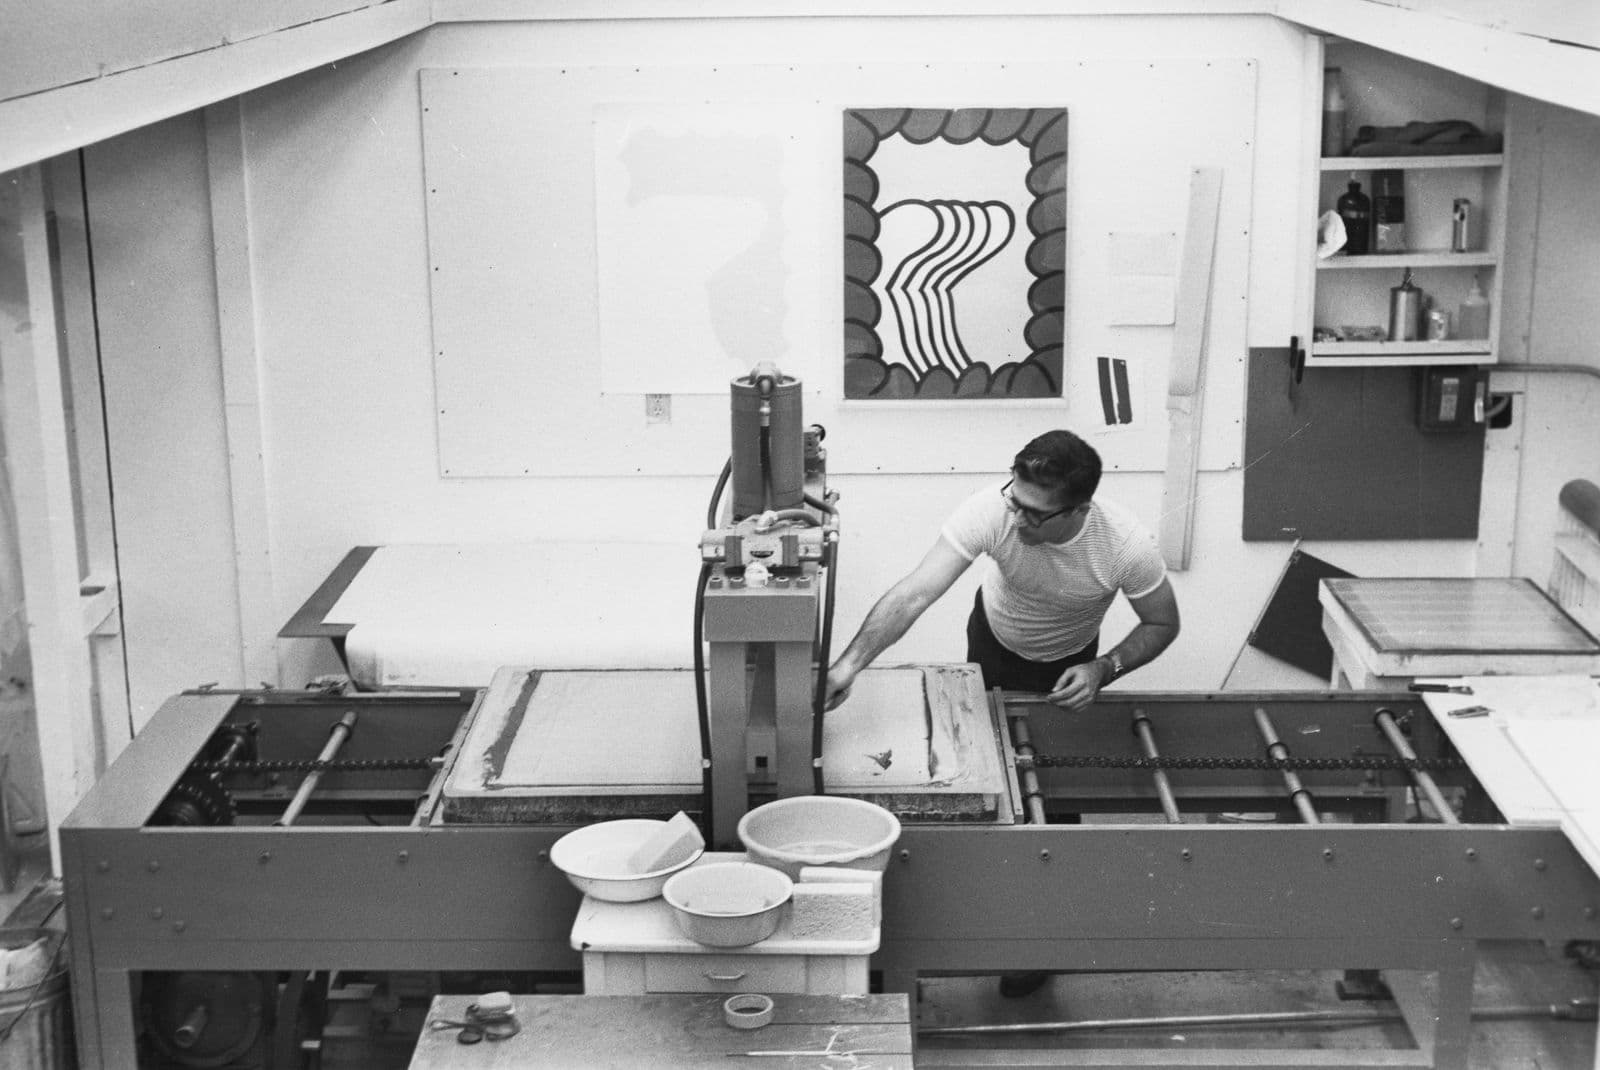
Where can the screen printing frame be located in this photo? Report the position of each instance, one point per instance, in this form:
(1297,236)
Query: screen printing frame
(1095,897)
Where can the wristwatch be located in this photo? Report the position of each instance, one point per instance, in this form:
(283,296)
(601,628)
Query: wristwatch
(1115,661)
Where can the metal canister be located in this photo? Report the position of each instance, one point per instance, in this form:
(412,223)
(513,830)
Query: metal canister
(768,460)
(1461,226)
(1438,325)
(1405,311)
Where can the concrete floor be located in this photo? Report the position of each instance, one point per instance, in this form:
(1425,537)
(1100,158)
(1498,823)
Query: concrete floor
(1508,975)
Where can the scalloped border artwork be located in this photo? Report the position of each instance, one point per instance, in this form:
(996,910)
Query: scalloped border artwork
(910,347)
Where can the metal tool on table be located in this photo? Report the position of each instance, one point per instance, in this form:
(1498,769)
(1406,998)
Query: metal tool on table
(1449,689)
(491,1018)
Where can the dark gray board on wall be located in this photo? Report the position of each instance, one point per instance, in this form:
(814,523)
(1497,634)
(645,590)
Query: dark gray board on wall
(1339,455)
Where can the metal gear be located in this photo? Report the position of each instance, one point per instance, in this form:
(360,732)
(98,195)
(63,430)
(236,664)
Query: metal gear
(195,800)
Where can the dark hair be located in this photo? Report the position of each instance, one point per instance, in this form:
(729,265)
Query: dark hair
(1063,462)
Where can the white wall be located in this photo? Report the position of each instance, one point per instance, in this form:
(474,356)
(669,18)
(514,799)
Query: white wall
(1557,430)
(334,173)
(150,227)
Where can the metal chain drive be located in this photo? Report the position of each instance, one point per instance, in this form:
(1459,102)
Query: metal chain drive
(313,765)
(1099,761)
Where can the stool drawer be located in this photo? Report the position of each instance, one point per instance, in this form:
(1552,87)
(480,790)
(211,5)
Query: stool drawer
(724,973)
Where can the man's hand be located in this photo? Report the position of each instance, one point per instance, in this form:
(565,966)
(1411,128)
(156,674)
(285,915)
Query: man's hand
(839,681)
(1079,685)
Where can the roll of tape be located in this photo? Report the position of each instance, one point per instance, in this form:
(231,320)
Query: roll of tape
(747,1011)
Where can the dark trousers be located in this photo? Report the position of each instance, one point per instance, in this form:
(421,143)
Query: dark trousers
(1005,668)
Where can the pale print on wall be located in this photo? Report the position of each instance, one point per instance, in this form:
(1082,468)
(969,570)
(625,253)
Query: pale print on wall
(954,224)
(726,188)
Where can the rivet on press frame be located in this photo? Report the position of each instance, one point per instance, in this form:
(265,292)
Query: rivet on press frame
(404,856)
(1456,923)
(905,856)
(1537,912)
(1044,856)
(265,857)
(1186,854)
(1539,864)
(1327,853)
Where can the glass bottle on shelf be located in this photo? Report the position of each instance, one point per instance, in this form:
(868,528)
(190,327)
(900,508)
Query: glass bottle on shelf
(1333,113)
(1472,321)
(1355,210)
(1389,212)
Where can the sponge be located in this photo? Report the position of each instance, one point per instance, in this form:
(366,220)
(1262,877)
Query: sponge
(841,875)
(674,843)
(832,911)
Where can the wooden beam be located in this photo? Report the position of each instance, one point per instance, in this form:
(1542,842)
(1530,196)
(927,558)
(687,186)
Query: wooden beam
(1554,71)
(1186,372)
(581,10)
(55,121)
(38,451)
(241,392)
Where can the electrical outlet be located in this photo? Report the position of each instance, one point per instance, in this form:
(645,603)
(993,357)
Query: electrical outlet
(658,408)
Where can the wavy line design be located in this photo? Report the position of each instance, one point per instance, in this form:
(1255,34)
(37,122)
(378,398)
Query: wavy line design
(921,288)
(920,353)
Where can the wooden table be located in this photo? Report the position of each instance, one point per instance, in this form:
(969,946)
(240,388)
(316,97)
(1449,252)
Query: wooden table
(1385,632)
(666,1032)
(1532,751)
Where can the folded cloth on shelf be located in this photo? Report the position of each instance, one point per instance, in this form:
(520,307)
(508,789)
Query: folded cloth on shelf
(1441,138)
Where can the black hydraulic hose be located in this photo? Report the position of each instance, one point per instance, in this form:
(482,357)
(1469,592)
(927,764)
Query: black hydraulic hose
(822,664)
(820,505)
(766,466)
(716,493)
(702,703)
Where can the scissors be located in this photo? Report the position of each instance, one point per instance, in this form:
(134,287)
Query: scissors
(480,1025)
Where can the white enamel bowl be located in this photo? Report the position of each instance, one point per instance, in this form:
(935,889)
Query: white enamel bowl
(728,904)
(819,830)
(595,860)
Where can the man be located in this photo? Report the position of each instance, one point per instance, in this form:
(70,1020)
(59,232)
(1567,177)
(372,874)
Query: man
(1060,557)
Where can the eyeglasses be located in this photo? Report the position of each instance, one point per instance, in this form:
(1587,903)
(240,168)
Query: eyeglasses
(1033,516)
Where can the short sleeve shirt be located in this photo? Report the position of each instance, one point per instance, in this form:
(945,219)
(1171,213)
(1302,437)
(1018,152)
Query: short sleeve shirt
(1047,601)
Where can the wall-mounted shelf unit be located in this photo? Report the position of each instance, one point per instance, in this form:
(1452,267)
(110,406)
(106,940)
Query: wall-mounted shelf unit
(1349,298)
(1452,351)
(1421,259)
(1401,163)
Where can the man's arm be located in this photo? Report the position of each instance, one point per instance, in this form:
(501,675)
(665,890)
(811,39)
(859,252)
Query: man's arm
(1157,628)
(893,616)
